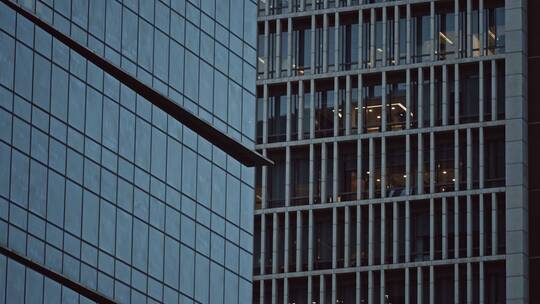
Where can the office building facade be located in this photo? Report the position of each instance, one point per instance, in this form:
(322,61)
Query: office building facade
(399,135)
(102,188)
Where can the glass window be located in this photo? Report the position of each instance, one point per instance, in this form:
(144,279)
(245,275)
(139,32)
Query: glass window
(107,223)
(277,115)
(202,281)
(19,178)
(495,26)
(348,174)
(191,86)
(204,175)
(217,280)
(189,167)
(172,262)
(42,78)
(38,189)
(187,264)
(113,19)
(276,180)
(129,34)
(206,82)
(324,109)
(23,71)
(421,37)
(222,11)
(90,218)
(140,244)
(145,53)
(55,198)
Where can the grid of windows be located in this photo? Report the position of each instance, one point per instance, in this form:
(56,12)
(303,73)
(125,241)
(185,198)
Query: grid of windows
(105,188)
(388,130)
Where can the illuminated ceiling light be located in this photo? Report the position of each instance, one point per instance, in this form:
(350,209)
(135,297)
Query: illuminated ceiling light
(367,172)
(453,179)
(378,179)
(379,50)
(444,172)
(404,175)
(378,116)
(261,60)
(393,108)
(370,110)
(442,35)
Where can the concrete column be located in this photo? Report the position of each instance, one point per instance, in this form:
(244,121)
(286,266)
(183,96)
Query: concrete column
(361,110)
(494,225)
(382,288)
(432,162)
(445,93)
(456,95)
(278,48)
(312,110)
(469,28)
(286,243)
(372,39)
(481,30)
(289,45)
(493,90)
(420,163)
(347,236)
(300,112)
(396,35)
(334,288)
(432,95)
(334,238)
(263,245)
(310,289)
(324,163)
(419,287)
(409,38)
(408,173)
(481,91)
(456,229)
(337,51)
(310,240)
(359,169)
(370,235)
(432,33)
(325,43)
(420,113)
(289,107)
(275,236)
(275,300)
(383,234)
(444,229)
(407,285)
(322,286)
(431,229)
(459,45)
(395,232)
(360,40)
(299,242)
(266,47)
(371,168)
(311,173)
(407,232)
(348,110)
(336,107)
(285,290)
(358,288)
(383,166)
(384,103)
(407,99)
(313,46)
(431,283)
(384,46)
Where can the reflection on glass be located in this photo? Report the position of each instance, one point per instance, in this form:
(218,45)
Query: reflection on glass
(371,94)
(276,180)
(446,34)
(324,112)
(347,169)
(396,108)
(444,163)
(495,30)
(348,40)
(277,116)
(421,32)
(301,50)
(261,60)
(395,161)
(300,176)
(378,43)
